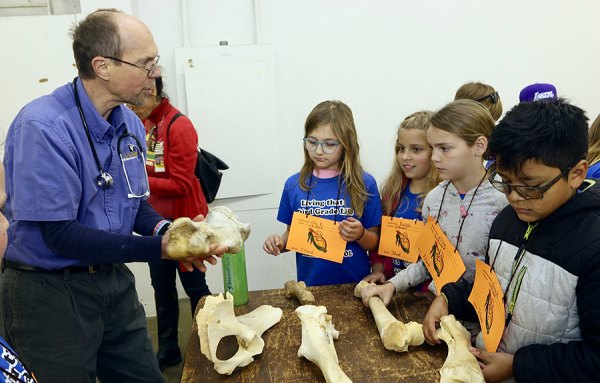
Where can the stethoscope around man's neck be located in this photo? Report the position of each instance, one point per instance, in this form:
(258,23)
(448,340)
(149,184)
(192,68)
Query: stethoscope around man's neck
(104,179)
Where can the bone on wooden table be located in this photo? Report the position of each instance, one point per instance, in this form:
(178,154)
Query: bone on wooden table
(396,336)
(317,342)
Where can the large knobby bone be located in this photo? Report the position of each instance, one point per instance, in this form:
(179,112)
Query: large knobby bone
(317,342)
(460,366)
(194,239)
(216,320)
(396,336)
(298,290)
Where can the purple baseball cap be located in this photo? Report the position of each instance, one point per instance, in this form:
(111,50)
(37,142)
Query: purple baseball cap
(535,92)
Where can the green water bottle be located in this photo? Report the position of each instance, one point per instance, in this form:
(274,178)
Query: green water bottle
(234,276)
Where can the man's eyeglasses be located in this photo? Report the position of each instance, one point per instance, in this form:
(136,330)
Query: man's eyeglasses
(328,147)
(150,70)
(527,192)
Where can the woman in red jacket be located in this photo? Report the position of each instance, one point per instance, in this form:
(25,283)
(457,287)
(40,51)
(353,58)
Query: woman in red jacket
(175,192)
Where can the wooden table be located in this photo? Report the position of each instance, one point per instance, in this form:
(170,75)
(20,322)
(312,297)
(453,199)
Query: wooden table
(359,348)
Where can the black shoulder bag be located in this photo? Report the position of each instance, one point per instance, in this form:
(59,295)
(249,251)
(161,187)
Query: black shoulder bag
(208,169)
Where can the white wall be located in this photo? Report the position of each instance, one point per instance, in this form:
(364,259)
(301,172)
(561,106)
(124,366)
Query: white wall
(384,58)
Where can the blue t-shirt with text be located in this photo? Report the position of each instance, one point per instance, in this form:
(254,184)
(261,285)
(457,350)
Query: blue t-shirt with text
(322,201)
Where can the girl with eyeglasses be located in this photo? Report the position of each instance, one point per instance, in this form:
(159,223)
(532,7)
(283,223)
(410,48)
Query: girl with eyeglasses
(412,176)
(465,203)
(331,185)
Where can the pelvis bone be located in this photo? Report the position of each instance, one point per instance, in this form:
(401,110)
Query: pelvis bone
(194,239)
(396,336)
(216,320)
(460,366)
(317,342)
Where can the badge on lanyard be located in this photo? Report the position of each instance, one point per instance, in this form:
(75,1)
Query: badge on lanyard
(155,158)
(488,300)
(398,238)
(439,256)
(159,157)
(315,236)
(150,158)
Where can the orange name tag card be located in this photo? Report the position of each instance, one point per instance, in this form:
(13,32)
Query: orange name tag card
(487,298)
(437,252)
(398,238)
(315,236)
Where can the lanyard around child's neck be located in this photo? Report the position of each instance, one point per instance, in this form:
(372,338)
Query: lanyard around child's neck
(402,192)
(337,198)
(515,266)
(466,213)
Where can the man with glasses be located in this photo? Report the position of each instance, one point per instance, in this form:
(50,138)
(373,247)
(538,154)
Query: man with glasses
(77,190)
(544,249)
(151,69)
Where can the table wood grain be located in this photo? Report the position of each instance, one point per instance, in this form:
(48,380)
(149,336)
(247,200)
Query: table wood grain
(359,348)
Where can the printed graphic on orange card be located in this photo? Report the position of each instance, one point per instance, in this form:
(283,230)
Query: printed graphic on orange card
(315,236)
(437,252)
(399,237)
(487,299)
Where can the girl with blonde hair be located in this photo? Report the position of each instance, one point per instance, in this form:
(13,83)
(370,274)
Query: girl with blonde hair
(332,185)
(411,178)
(465,203)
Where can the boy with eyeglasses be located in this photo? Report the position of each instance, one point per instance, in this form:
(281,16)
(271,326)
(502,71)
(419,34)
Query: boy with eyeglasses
(544,249)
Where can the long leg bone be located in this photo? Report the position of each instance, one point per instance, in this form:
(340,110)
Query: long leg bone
(317,342)
(396,336)
(298,290)
(460,366)
(217,320)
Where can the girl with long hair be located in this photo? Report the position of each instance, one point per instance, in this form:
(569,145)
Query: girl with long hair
(412,176)
(333,185)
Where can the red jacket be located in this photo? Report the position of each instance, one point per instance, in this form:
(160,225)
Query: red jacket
(175,192)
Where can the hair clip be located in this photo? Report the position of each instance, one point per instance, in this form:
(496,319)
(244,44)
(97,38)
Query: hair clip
(494,97)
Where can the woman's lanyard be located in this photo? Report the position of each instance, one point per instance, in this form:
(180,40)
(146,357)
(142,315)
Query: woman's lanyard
(153,134)
(515,266)
(464,214)
(337,198)
(152,138)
